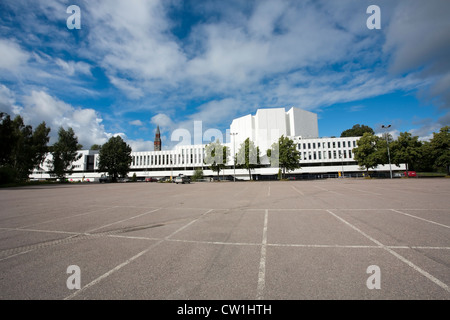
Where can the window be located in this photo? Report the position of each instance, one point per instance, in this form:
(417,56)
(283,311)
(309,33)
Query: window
(309,145)
(339,144)
(343,144)
(329,145)
(314,145)
(334,144)
(320,155)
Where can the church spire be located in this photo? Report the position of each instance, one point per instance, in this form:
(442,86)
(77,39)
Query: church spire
(157,142)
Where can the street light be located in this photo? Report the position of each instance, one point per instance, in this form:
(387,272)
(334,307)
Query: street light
(387,143)
(234,151)
(341,156)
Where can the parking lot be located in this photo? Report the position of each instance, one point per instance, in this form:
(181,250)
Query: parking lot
(228,240)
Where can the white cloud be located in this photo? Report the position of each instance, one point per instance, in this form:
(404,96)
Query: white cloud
(12,56)
(40,106)
(71,67)
(127,87)
(136,123)
(8,102)
(162,120)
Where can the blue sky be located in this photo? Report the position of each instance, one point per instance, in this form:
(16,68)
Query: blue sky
(137,64)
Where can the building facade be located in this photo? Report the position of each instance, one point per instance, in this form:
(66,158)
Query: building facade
(321,157)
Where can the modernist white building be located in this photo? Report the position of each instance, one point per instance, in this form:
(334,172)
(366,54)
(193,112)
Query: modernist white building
(321,157)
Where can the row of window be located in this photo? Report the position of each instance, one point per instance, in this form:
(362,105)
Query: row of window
(167,159)
(318,145)
(318,155)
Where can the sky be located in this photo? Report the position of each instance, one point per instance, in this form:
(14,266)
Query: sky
(136,64)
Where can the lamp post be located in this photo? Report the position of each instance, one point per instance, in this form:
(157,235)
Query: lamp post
(234,151)
(387,143)
(341,156)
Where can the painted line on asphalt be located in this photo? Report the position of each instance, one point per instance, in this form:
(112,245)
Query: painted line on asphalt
(395,254)
(262,261)
(341,194)
(298,190)
(125,263)
(131,218)
(423,219)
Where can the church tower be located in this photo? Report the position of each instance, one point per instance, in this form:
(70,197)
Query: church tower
(157,142)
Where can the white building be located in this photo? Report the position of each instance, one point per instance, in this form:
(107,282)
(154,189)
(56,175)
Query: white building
(324,157)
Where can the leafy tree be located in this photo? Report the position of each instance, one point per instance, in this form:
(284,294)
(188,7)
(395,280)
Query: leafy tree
(370,151)
(406,149)
(285,155)
(357,131)
(425,160)
(65,153)
(115,158)
(248,156)
(440,149)
(198,174)
(95,147)
(22,149)
(216,156)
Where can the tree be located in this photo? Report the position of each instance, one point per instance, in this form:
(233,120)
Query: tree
(406,149)
(370,151)
(248,156)
(65,153)
(357,131)
(285,155)
(96,147)
(115,158)
(216,156)
(440,149)
(198,174)
(22,149)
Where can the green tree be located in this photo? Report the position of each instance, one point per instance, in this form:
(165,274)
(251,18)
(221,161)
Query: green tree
(22,149)
(248,156)
(64,153)
(198,174)
(115,158)
(406,149)
(370,151)
(284,155)
(216,156)
(357,131)
(440,148)
(95,147)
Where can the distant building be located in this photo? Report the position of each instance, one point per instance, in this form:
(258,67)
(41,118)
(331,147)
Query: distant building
(319,157)
(157,142)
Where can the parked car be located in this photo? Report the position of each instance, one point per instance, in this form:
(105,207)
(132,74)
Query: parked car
(410,174)
(105,179)
(150,179)
(182,179)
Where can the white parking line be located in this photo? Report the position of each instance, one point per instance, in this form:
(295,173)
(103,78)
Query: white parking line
(341,194)
(423,219)
(403,259)
(134,217)
(298,190)
(262,261)
(120,266)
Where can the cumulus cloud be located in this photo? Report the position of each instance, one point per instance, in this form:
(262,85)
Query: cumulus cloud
(40,106)
(427,21)
(136,123)
(71,67)
(13,56)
